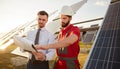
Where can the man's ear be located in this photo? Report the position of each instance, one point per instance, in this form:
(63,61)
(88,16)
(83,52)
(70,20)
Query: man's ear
(70,18)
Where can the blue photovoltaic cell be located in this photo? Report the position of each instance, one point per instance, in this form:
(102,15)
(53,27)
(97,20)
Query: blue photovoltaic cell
(105,53)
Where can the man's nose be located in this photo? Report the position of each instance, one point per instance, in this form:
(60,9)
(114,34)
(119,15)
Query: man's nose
(40,21)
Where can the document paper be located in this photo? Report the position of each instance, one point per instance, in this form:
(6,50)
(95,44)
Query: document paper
(24,43)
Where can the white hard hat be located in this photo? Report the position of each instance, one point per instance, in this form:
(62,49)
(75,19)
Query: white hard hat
(67,10)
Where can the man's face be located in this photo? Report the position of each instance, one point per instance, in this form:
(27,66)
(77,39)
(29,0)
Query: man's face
(65,20)
(42,20)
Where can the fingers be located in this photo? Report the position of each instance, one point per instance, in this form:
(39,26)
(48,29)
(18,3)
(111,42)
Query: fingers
(37,47)
(39,56)
(37,53)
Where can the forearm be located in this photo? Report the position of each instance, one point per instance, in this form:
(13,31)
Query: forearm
(58,45)
(63,43)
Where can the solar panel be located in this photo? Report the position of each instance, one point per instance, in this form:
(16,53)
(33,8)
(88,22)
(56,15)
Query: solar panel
(94,25)
(105,53)
(89,36)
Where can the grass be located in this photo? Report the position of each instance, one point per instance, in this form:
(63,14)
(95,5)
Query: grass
(7,62)
(5,59)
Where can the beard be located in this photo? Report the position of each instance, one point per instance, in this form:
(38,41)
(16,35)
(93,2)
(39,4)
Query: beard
(65,24)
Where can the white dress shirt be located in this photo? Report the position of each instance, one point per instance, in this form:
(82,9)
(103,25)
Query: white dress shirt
(45,38)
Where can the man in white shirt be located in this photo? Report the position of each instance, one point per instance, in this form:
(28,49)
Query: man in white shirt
(44,38)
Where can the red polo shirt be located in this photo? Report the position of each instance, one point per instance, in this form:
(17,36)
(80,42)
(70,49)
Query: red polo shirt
(72,50)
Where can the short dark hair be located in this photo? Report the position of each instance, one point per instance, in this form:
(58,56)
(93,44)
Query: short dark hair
(43,13)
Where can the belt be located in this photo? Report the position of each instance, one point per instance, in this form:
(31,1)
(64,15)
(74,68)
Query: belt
(67,58)
(36,61)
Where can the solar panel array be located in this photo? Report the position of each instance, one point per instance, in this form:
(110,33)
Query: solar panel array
(105,53)
(89,36)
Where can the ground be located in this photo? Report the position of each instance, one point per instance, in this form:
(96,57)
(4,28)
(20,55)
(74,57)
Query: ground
(11,61)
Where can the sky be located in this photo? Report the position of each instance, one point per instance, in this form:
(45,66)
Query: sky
(18,12)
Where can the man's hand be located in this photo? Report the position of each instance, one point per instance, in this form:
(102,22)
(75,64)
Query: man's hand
(43,47)
(39,56)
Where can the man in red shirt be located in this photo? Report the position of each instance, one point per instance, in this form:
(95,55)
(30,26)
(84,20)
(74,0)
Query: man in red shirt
(67,46)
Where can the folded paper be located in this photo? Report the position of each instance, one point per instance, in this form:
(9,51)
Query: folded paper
(24,43)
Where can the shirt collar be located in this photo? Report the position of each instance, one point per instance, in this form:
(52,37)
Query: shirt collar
(42,29)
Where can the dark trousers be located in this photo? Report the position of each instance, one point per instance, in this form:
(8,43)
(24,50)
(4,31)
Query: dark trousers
(38,65)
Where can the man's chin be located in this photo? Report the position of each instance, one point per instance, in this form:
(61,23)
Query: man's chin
(64,25)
